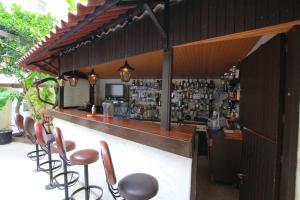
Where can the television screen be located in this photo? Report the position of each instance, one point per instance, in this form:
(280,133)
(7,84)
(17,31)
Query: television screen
(114,90)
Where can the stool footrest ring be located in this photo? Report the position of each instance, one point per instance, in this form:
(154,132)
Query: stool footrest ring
(32,155)
(72,179)
(88,188)
(56,165)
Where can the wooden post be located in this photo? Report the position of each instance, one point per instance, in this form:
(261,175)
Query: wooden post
(61,92)
(166,90)
(61,98)
(92,94)
(167,69)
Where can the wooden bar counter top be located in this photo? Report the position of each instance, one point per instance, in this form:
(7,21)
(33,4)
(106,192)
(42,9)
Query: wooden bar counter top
(179,140)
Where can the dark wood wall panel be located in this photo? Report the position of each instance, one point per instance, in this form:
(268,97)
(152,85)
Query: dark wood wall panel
(261,154)
(262,83)
(239,23)
(221,17)
(230,15)
(291,130)
(191,20)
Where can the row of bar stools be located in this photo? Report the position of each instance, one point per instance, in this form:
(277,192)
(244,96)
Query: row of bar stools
(82,157)
(138,186)
(38,154)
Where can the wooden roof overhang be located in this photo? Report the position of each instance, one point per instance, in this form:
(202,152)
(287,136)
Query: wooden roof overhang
(95,17)
(99,16)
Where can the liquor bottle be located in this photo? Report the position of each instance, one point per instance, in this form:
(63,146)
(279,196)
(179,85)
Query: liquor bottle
(197,84)
(206,84)
(211,84)
(237,72)
(190,94)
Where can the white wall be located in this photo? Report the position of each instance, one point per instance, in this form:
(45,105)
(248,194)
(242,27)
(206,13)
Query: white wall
(5,116)
(77,96)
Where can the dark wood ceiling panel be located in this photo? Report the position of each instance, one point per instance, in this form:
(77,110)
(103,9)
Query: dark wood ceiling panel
(206,60)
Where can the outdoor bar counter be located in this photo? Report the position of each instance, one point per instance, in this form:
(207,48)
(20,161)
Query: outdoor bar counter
(136,146)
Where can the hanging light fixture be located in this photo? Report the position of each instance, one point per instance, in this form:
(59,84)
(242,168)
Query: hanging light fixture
(6,58)
(92,77)
(73,79)
(61,80)
(125,70)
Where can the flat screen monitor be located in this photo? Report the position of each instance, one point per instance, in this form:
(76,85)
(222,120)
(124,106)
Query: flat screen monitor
(114,90)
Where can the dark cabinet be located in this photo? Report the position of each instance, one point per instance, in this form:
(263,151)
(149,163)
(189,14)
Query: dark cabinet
(224,155)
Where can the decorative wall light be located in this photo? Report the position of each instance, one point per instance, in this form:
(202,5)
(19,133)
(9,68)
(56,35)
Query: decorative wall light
(92,77)
(6,58)
(125,70)
(61,80)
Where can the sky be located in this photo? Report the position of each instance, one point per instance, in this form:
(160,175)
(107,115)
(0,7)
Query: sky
(58,8)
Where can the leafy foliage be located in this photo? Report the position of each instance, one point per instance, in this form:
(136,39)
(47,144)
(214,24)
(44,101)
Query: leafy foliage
(29,28)
(72,4)
(7,94)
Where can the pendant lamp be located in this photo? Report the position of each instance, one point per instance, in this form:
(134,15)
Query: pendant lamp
(125,70)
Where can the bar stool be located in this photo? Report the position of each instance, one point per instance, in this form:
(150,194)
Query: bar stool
(83,157)
(19,124)
(45,140)
(38,154)
(136,186)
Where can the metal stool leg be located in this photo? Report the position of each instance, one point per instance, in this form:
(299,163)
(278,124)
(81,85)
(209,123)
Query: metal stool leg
(86,182)
(37,158)
(88,187)
(50,186)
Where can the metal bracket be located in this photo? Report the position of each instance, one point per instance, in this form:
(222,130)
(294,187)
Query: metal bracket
(155,21)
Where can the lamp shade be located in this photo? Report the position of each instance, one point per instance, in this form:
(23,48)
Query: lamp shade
(6,58)
(73,80)
(125,72)
(92,77)
(61,80)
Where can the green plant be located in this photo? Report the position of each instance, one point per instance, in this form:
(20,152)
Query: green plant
(72,4)
(7,95)
(27,29)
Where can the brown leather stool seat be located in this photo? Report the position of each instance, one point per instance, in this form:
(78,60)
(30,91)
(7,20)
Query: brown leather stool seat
(138,186)
(45,140)
(38,154)
(84,157)
(19,120)
(70,146)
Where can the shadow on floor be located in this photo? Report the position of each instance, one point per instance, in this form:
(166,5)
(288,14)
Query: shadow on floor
(212,191)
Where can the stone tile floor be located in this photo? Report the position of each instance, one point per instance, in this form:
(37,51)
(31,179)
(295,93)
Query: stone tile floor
(213,191)
(19,181)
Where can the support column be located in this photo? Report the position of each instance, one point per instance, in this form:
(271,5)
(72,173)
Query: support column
(167,69)
(92,94)
(166,89)
(61,92)
(61,98)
